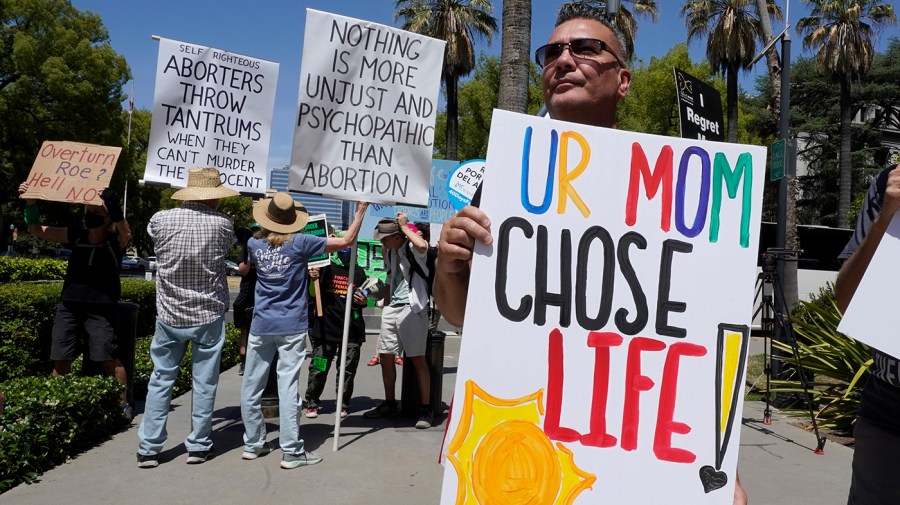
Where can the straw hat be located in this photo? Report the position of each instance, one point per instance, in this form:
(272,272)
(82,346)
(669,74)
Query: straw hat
(203,184)
(280,214)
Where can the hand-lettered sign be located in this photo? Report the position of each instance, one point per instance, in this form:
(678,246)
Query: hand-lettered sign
(317,226)
(71,172)
(607,324)
(366,111)
(439,207)
(211,108)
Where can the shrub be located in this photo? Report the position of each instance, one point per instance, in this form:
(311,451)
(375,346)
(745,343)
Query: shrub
(31,269)
(44,423)
(839,363)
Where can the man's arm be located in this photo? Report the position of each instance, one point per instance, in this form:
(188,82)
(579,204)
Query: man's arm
(852,270)
(414,238)
(451,279)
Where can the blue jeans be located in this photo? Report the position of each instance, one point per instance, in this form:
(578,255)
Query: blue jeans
(167,350)
(261,351)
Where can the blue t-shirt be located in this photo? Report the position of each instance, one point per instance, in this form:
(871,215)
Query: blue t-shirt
(281,284)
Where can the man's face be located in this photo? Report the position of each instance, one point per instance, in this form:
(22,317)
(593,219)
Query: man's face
(582,90)
(392,241)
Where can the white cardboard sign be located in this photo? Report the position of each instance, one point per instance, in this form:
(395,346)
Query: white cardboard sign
(211,108)
(366,111)
(607,324)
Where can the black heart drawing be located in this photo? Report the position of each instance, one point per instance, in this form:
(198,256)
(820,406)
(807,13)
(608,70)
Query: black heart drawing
(712,479)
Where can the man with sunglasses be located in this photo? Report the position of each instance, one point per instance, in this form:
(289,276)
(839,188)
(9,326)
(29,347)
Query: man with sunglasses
(584,77)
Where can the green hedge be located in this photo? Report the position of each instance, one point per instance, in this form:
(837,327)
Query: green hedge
(31,269)
(45,422)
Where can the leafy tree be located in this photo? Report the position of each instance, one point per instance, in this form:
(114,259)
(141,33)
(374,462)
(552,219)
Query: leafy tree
(59,80)
(842,32)
(457,22)
(732,32)
(478,97)
(515,57)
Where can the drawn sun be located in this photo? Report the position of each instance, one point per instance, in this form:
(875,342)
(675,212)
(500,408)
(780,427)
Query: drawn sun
(502,456)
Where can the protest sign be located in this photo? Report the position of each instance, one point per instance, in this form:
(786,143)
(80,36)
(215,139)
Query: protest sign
(607,324)
(366,111)
(317,226)
(464,182)
(439,207)
(699,108)
(211,108)
(870,311)
(71,172)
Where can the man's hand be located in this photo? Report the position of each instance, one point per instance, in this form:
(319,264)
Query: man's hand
(402,219)
(458,237)
(110,199)
(358,298)
(22,189)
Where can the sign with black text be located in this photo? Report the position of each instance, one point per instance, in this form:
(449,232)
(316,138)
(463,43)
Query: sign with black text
(211,108)
(699,107)
(366,111)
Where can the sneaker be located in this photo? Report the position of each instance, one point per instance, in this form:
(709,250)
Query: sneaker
(250,455)
(127,412)
(384,409)
(148,461)
(197,457)
(290,461)
(312,412)
(426,418)
(344,413)
(241,368)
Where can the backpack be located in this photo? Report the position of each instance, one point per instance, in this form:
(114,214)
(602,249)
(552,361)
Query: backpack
(430,257)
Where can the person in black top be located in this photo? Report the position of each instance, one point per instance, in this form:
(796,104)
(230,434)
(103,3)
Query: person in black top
(326,332)
(243,302)
(91,289)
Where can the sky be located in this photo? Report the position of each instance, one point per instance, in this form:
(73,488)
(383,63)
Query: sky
(273,30)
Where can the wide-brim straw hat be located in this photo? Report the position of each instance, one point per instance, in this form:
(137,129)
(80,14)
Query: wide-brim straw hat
(203,184)
(280,214)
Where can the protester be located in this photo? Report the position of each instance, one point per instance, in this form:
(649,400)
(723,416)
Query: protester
(191,242)
(584,77)
(405,318)
(91,289)
(243,303)
(326,332)
(280,321)
(877,428)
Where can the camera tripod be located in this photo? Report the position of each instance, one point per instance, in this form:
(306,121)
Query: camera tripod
(767,283)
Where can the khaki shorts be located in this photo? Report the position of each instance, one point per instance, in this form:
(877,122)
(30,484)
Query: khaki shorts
(401,327)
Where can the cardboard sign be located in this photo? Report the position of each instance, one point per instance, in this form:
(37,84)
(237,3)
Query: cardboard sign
(439,207)
(607,324)
(699,108)
(71,172)
(318,226)
(211,108)
(366,111)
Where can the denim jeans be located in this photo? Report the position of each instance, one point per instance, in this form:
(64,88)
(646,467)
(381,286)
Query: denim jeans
(261,351)
(167,350)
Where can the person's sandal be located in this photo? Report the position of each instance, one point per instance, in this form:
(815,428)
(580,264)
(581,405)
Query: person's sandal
(374,361)
(398,361)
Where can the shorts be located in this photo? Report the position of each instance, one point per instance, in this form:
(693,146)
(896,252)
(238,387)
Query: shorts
(401,326)
(243,310)
(96,322)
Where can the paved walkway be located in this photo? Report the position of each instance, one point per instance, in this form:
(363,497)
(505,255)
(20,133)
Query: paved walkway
(384,461)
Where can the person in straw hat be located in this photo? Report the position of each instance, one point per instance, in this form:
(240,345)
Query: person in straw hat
(190,242)
(280,322)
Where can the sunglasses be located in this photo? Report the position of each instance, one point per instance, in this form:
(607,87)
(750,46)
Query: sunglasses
(589,49)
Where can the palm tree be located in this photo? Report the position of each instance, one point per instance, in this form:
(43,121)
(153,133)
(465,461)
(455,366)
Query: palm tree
(457,22)
(515,56)
(625,19)
(732,31)
(843,31)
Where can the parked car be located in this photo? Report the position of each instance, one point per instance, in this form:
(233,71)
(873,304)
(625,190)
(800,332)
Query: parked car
(135,264)
(231,268)
(151,263)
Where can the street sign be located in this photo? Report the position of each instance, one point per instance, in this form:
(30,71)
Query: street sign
(776,161)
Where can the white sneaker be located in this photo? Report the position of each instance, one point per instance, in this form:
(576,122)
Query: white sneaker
(250,455)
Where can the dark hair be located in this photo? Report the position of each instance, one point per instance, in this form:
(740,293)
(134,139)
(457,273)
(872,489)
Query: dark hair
(585,10)
(425,228)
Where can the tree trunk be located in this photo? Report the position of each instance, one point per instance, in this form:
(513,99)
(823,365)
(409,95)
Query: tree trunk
(515,57)
(845,177)
(772,59)
(452,116)
(731,76)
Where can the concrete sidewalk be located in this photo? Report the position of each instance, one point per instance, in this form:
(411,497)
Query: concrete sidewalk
(379,461)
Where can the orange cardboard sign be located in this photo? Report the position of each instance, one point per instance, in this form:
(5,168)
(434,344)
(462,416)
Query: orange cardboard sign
(71,172)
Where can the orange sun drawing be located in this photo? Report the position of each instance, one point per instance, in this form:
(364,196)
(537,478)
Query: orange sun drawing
(502,456)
